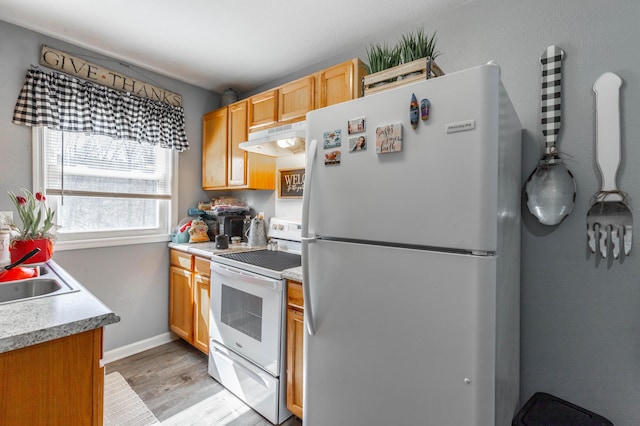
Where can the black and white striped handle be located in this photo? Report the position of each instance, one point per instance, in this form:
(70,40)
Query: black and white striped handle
(551,117)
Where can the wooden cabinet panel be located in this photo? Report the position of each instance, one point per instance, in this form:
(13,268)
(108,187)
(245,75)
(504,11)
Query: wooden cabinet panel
(214,149)
(181,259)
(202,287)
(295,336)
(237,134)
(294,294)
(340,83)
(295,346)
(224,164)
(295,99)
(189,289)
(181,302)
(201,266)
(263,110)
(55,383)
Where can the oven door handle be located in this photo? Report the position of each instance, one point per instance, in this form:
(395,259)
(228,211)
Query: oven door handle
(267,283)
(307,238)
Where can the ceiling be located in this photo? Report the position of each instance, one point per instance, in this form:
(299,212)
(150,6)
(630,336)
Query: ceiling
(216,45)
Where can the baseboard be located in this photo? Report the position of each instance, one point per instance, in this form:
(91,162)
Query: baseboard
(137,347)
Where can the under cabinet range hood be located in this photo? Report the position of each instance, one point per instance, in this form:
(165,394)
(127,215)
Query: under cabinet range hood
(277,141)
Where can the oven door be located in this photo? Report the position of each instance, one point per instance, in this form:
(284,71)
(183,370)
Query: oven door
(247,314)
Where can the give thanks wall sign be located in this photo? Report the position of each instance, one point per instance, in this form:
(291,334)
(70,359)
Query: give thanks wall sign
(78,67)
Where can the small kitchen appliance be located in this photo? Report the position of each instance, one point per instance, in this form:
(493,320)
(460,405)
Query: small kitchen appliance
(418,324)
(248,319)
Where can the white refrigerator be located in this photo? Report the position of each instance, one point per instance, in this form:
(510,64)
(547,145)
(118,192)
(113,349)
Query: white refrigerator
(411,256)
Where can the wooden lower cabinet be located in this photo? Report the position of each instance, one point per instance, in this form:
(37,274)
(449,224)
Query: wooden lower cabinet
(189,290)
(60,382)
(295,345)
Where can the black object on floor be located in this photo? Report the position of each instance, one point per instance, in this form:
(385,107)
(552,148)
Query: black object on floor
(544,409)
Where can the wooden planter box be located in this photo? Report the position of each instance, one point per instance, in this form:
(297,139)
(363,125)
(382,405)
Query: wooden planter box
(420,69)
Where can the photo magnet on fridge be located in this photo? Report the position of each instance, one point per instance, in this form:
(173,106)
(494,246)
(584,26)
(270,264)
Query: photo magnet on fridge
(357,125)
(389,138)
(332,158)
(358,143)
(332,139)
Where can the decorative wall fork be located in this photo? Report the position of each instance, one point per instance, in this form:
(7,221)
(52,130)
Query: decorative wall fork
(609,220)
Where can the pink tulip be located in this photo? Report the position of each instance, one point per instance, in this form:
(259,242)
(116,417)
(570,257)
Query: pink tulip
(21,200)
(40,196)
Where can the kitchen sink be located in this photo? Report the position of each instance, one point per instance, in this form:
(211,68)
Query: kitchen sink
(48,283)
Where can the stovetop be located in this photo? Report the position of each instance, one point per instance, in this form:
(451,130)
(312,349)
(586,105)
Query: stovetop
(268,259)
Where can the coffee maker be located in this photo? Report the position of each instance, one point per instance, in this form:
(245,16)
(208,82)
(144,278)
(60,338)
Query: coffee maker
(231,225)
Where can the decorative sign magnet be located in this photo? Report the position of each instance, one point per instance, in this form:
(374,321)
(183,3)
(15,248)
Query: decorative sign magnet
(389,138)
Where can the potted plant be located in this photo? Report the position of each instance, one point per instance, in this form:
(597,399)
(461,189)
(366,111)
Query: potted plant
(417,45)
(380,57)
(37,227)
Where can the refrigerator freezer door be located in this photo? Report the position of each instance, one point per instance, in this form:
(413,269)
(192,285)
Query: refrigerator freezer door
(442,188)
(403,337)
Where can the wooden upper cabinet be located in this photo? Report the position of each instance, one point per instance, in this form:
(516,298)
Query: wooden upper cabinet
(340,83)
(263,110)
(295,99)
(214,149)
(237,134)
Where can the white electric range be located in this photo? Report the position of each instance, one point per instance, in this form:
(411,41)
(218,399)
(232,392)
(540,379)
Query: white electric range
(248,319)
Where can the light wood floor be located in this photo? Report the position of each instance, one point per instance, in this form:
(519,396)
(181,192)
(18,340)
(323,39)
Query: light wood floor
(173,377)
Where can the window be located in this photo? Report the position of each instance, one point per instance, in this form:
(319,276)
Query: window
(105,191)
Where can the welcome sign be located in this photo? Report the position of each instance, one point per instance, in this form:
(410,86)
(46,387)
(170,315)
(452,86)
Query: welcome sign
(290,183)
(78,67)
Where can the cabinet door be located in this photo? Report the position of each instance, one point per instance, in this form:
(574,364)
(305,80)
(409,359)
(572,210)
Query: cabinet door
(54,383)
(295,339)
(340,83)
(214,149)
(295,99)
(181,302)
(263,110)
(201,313)
(237,134)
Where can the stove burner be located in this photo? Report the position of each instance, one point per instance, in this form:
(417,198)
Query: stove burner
(274,260)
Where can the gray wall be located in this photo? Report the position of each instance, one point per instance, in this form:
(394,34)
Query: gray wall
(580,316)
(132,280)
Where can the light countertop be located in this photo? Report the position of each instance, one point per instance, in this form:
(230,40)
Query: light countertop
(293,274)
(28,322)
(209,249)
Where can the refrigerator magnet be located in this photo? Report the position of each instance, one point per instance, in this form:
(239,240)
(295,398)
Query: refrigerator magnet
(424,109)
(332,158)
(332,139)
(413,111)
(358,143)
(357,125)
(389,138)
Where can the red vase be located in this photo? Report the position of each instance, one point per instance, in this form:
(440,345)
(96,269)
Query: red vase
(19,248)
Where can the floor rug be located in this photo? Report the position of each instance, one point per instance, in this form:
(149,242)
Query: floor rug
(122,406)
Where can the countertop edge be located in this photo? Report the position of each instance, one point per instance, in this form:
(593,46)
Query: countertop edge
(63,330)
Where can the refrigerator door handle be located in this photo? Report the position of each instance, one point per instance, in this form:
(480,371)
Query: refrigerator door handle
(306,239)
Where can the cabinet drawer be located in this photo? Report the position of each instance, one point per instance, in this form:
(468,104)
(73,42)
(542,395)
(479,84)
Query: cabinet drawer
(294,294)
(202,266)
(181,259)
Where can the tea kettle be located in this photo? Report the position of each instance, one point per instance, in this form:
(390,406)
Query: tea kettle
(256,235)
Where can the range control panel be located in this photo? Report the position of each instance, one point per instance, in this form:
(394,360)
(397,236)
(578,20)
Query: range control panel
(285,229)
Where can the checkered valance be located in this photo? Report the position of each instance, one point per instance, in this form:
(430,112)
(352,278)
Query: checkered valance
(62,102)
